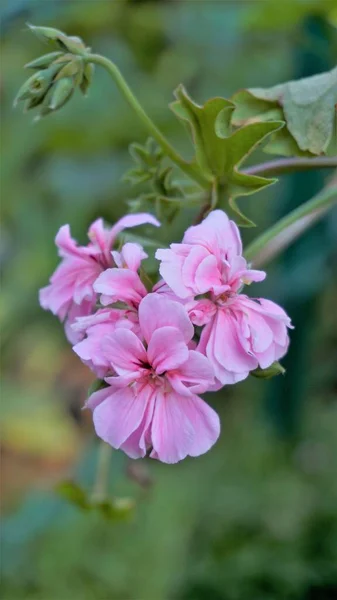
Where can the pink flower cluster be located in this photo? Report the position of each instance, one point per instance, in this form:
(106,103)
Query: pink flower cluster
(158,349)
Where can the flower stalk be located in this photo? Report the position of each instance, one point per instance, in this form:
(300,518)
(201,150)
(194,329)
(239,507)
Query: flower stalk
(153,130)
(100,489)
(278,237)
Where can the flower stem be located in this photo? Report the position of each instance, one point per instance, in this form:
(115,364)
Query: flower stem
(283,166)
(286,230)
(153,130)
(99,493)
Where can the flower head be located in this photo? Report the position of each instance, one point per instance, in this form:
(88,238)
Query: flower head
(208,259)
(70,293)
(151,402)
(239,334)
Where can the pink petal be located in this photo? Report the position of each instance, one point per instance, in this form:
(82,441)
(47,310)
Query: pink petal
(97,398)
(167,349)
(140,440)
(216,233)
(68,246)
(207,275)
(197,371)
(157,310)
(124,351)
(120,415)
(130,256)
(227,347)
(120,285)
(190,265)
(171,271)
(132,221)
(182,426)
(99,235)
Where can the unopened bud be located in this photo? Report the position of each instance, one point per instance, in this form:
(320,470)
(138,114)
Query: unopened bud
(274,369)
(87,77)
(61,91)
(64,42)
(44,61)
(37,85)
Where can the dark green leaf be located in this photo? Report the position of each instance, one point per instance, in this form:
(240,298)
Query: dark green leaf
(308,106)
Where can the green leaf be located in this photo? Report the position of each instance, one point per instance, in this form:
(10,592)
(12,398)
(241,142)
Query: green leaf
(308,107)
(202,119)
(220,151)
(73,493)
(274,369)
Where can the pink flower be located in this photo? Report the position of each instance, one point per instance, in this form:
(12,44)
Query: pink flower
(208,259)
(239,334)
(70,293)
(151,403)
(96,327)
(122,283)
(243,334)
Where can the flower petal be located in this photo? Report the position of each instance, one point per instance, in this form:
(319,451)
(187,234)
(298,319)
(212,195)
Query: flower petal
(167,349)
(130,256)
(182,426)
(120,414)
(157,310)
(124,351)
(132,221)
(120,285)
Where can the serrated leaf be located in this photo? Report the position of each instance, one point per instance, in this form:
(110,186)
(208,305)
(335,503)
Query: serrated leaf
(208,146)
(220,151)
(308,106)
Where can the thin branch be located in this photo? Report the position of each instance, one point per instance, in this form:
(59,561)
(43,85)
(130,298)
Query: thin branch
(129,96)
(283,166)
(286,230)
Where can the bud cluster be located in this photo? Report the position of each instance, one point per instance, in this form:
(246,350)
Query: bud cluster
(57,74)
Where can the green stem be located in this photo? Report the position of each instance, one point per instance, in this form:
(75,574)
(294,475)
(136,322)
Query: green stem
(99,493)
(283,166)
(153,130)
(286,230)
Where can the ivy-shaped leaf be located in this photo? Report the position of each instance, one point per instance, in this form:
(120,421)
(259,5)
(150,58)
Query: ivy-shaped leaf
(308,107)
(208,145)
(220,151)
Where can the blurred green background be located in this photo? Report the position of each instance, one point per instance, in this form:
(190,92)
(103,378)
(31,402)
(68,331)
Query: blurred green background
(255,518)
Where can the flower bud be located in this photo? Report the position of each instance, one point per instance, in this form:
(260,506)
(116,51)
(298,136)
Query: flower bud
(37,85)
(44,61)
(88,73)
(61,91)
(64,42)
(274,369)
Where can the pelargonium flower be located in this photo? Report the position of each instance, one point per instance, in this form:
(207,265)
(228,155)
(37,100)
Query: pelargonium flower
(242,334)
(208,259)
(151,403)
(70,293)
(122,282)
(95,327)
(239,333)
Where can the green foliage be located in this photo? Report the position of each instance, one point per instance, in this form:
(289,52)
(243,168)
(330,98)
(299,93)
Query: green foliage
(220,150)
(306,105)
(116,509)
(166,197)
(274,369)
